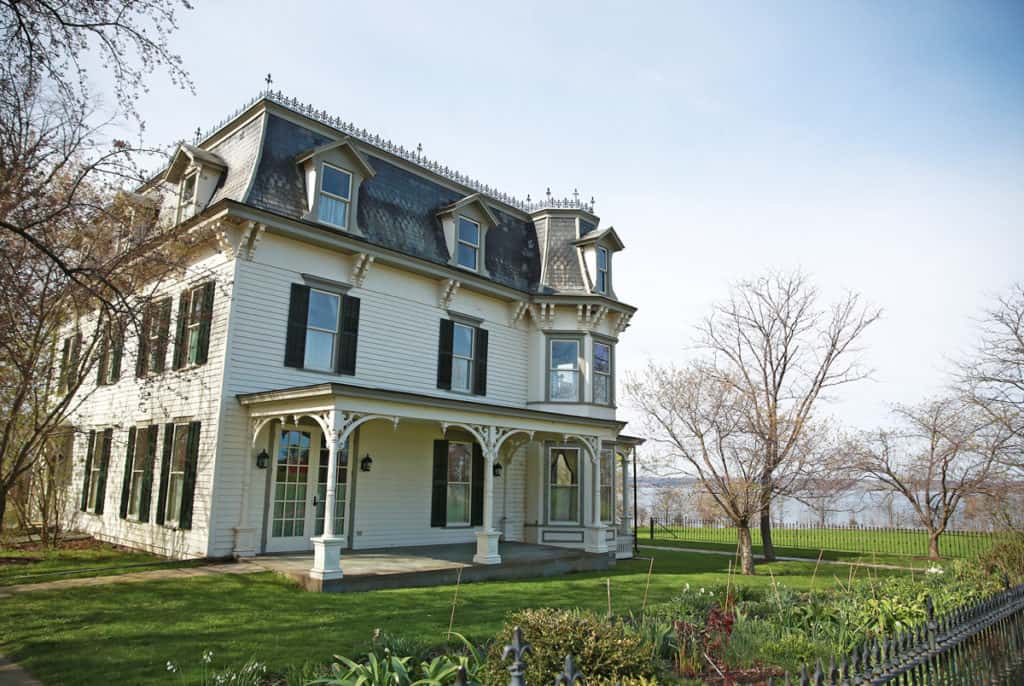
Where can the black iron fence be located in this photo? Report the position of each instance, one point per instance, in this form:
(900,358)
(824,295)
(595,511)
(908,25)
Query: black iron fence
(976,645)
(802,538)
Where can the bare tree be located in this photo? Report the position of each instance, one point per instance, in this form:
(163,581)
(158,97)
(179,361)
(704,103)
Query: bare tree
(942,452)
(993,376)
(77,253)
(781,350)
(701,422)
(667,502)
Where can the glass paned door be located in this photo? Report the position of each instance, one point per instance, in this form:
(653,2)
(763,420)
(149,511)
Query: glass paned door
(340,489)
(290,519)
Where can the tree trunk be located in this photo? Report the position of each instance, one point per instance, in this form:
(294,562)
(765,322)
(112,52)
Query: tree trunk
(933,545)
(767,486)
(746,547)
(3,506)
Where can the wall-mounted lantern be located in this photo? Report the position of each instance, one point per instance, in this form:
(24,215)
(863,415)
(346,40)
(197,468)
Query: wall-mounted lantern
(366,463)
(263,459)
(496,469)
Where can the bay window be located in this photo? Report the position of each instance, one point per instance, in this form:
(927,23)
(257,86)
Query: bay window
(564,370)
(602,378)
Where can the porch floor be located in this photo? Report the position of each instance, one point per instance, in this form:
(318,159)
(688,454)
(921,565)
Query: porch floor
(438,565)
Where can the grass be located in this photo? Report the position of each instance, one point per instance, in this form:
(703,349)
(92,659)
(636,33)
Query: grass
(806,553)
(98,559)
(809,541)
(126,633)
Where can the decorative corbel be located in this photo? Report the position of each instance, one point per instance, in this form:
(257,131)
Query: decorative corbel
(519,309)
(448,290)
(361,268)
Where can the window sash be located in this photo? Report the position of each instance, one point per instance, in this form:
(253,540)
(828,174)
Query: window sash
(462,363)
(322,333)
(176,475)
(563,380)
(138,471)
(466,245)
(564,493)
(607,466)
(603,379)
(94,472)
(459,492)
(194,324)
(334,208)
(602,270)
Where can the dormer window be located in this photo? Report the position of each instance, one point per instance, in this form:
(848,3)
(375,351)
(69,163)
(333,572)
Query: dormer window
(602,271)
(187,197)
(335,196)
(468,253)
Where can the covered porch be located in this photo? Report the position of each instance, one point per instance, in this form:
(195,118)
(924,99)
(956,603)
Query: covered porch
(469,478)
(375,569)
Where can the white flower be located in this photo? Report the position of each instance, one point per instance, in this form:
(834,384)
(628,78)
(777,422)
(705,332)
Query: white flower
(933,570)
(171,667)
(711,593)
(702,590)
(207,656)
(687,587)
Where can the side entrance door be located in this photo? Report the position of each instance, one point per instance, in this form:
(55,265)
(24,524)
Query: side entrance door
(298,489)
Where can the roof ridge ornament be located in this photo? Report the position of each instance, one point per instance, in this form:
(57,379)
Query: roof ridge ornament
(414,155)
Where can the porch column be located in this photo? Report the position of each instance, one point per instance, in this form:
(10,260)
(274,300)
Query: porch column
(327,548)
(627,495)
(595,537)
(487,535)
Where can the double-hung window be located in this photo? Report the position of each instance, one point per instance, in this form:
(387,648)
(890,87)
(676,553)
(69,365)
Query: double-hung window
(601,284)
(335,196)
(187,197)
(564,485)
(607,485)
(462,357)
(602,373)
(564,370)
(460,483)
(193,328)
(140,463)
(176,475)
(468,245)
(110,355)
(322,329)
(95,474)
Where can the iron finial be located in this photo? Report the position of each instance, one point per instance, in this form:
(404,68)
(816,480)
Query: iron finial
(570,675)
(269,81)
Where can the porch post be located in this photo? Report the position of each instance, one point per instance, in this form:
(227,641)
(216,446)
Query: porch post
(487,535)
(595,537)
(327,548)
(627,497)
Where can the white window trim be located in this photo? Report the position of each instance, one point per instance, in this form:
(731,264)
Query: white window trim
(469,485)
(321,192)
(168,522)
(599,271)
(476,246)
(184,204)
(94,472)
(578,370)
(334,333)
(608,485)
(579,482)
(193,325)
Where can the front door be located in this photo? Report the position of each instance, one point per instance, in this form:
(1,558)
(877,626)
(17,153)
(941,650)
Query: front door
(298,490)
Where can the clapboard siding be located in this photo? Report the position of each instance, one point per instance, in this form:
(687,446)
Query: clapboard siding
(186,395)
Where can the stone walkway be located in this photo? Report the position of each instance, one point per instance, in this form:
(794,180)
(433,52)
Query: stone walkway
(781,558)
(133,577)
(13,675)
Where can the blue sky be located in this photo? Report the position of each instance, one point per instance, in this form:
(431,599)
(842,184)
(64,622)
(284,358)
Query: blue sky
(878,146)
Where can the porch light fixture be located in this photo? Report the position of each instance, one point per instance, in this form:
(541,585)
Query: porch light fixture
(263,459)
(366,463)
(496,469)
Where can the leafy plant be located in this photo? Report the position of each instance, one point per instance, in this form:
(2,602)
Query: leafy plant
(386,671)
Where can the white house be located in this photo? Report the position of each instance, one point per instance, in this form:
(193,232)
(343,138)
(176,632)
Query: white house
(371,335)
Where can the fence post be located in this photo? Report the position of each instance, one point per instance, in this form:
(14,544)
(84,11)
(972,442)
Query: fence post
(652,529)
(517,650)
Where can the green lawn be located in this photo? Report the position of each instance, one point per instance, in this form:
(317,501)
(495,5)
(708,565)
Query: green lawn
(806,553)
(52,565)
(807,542)
(126,633)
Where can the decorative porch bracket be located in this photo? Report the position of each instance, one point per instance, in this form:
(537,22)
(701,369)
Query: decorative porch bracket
(595,540)
(490,438)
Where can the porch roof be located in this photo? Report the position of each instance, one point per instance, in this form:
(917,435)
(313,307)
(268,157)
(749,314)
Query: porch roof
(327,391)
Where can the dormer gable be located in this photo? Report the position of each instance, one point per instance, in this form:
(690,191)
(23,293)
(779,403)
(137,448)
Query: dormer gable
(465,224)
(333,173)
(193,175)
(596,248)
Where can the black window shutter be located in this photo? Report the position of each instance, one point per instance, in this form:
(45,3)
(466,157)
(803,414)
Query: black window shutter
(188,489)
(165,469)
(444,354)
(65,359)
(142,359)
(88,471)
(76,358)
(117,340)
(126,482)
(101,362)
(480,363)
(476,505)
(298,311)
(349,336)
(164,319)
(147,474)
(439,494)
(205,323)
(101,488)
(179,335)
